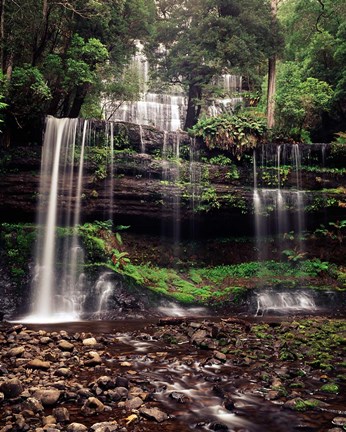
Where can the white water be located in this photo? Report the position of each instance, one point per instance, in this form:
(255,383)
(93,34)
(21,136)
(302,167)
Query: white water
(111,187)
(59,285)
(286,205)
(58,131)
(103,290)
(284,302)
(167,111)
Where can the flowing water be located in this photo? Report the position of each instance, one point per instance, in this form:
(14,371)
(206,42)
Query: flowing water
(167,111)
(285,205)
(274,302)
(59,282)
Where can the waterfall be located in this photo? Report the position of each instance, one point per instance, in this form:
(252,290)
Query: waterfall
(284,302)
(103,291)
(59,282)
(167,111)
(177,199)
(111,186)
(286,205)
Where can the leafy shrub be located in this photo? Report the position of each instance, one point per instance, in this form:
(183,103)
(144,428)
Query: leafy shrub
(236,134)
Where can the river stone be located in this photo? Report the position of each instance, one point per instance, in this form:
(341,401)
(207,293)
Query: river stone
(89,341)
(94,360)
(49,420)
(16,352)
(11,388)
(48,397)
(216,426)
(45,340)
(20,422)
(76,427)
(153,414)
(105,382)
(105,427)
(61,414)
(179,397)
(2,397)
(64,345)
(92,405)
(38,364)
(339,421)
(199,337)
(120,393)
(33,405)
(122,382)
(134,403)
(63,372)
(220,356)
(84,393)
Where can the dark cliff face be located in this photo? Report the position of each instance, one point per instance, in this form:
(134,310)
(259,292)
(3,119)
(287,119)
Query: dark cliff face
(153,190)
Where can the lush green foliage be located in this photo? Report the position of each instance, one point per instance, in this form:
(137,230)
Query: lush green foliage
(57,55)
(17,242)
(316,45)
(204,38)
(236,134)
(300,102)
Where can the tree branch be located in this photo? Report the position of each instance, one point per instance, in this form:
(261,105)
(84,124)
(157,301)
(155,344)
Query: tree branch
(320,16)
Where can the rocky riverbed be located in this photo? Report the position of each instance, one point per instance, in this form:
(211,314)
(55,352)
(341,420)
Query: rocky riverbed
(174,374)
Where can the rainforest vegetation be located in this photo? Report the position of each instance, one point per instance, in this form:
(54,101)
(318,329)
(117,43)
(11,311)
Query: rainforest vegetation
(63,58)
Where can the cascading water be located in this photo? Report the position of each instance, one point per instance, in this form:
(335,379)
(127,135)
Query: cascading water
(103,290)
(59,282)
(166,111)
(287,205)
(269,301)
(288,208)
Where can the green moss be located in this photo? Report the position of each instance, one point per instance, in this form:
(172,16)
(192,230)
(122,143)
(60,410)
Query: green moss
(305,405)
(330,388)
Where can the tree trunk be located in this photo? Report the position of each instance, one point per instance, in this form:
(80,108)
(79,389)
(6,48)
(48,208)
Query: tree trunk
(271,78)
(193,110)
(271,92)
(78,100)
(2,33)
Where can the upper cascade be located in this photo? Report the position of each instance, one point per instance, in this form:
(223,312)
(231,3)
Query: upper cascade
(166,111)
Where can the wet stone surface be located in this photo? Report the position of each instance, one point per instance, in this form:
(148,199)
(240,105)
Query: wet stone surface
(174,375)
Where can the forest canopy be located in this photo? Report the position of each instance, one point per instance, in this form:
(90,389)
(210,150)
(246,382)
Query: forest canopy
(59,57)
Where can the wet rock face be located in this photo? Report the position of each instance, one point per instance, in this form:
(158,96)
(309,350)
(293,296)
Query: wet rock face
(176,375)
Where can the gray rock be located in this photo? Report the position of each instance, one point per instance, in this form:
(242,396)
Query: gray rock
(179,397)
(64,345)
(61,414)
(38,364)
(153,414)
(89,341)
(48,397)
(16,352)
(49,420)
(134,403)
(339,421)
(199,337)
(120,393)
(63,372)
(33,405)
(92,405)
(94,359)
(11,388)
(105,382)
(76,427)
(105,427)
(220,356)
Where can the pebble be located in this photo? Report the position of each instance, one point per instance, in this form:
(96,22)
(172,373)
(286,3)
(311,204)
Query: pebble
(154,414)
(44,384)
